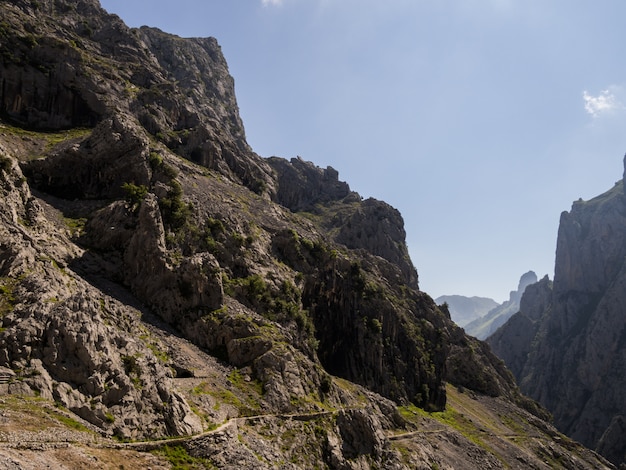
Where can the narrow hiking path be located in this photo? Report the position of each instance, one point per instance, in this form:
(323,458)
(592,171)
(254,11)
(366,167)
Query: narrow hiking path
(234,422)
(222,428)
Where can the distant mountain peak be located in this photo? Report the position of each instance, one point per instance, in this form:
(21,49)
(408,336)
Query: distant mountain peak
(485,326)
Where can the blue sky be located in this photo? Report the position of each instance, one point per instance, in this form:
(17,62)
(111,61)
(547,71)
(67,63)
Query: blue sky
(480,120)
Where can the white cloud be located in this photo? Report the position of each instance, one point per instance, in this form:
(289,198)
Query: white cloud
(271,2)
(603,103)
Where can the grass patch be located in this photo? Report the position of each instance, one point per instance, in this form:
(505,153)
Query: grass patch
(38,414)
(452,419)
(180,459)
(249,386)
(155,347)
(246,401)
(208,424)
(514,425)
(352,389)
(50,139)
(67,421)
(411,412)
(7,296)
(76,226)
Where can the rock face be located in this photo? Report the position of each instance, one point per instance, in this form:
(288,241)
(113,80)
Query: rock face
(158,278)
(464,310)
(566,345)
(485,326)
(204,247)
(69,342)
(302,185)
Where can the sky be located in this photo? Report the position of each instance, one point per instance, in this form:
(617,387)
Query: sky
(480,120)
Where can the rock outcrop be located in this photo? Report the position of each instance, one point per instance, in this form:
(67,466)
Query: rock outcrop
(485,326)
(69,341)
(302,185)
(566,346)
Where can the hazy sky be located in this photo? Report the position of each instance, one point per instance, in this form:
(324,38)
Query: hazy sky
(480,120)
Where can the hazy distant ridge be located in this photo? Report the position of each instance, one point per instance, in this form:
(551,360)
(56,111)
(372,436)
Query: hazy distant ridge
(484,327)
(466,309)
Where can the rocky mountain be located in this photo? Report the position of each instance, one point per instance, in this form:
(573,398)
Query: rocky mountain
(464,310)
(485,326)
(158,279)
(566,346)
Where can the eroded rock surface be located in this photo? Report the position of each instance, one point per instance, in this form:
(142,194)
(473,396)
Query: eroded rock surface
(565,345)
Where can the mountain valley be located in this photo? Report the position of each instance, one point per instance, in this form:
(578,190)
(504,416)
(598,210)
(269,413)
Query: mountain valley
(170,299)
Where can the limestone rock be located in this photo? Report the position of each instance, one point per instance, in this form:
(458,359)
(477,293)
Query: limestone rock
(385,238)
(361,434)
(72,343)
(115,153)
(565,345)
(301,184)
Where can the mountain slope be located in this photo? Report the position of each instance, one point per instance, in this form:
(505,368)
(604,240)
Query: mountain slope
(566,346)
(158,278)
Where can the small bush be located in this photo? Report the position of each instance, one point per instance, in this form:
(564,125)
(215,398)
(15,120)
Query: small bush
(131,366)
(134,194)
(376,326)
(5,164)
(173,209)
(326,384)
(357,277)
(169,171)
(155,160)
(215,226)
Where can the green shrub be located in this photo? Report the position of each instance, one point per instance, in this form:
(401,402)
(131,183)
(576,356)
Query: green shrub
(375,325)
(215,226)
(326,384)
(5,164)
(7,297)
(357,277)
(131,366)
(169,171)
(174,211)
(134,194)
(155,160)
(76,226)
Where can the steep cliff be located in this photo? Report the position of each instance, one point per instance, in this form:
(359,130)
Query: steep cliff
(566,345)
(158,278)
